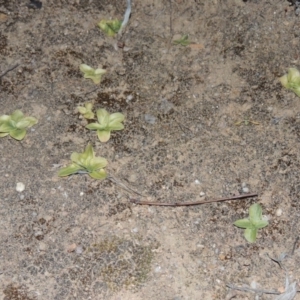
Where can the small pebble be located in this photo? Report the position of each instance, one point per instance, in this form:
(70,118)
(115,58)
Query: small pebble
(129,98)
(20,187)
(79,249)
(202,194)
(245,190)
(278,212)
(158,269)
(43,246)
(81,193)
(197,181)
(71,248)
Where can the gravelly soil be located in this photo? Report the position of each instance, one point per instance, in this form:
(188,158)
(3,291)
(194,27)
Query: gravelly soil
(78,238)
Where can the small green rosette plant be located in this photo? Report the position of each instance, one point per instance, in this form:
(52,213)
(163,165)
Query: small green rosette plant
(110,27)
(253,223)
(106,124)
(85,163)
(93,74)
(86,110)
(15,125)
(183,41)
(291,81)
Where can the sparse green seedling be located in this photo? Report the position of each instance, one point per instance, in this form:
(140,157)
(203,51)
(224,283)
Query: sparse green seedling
(183,41)
(85,163)
(253,223)
(106,124)
(291,81)
(90,73)
(246,122)
(86,110)
(15,125)
(110,27)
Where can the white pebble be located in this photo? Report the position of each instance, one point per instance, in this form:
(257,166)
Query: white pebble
(20,187)
(158,269)
(253,284)
(278,212)
(79,249)
(245,190)
(202,194)
(197,181)
(81,193)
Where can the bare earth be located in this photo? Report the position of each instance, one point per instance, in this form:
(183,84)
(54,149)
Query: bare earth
(79,238)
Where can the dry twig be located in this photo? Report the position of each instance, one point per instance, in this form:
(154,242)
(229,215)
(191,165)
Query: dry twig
(191,203)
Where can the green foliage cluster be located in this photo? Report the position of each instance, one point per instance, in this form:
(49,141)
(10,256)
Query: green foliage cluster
(15,125)
(183,41)
(110,27)
(253,223)
(106,124)
(291,81)
(86,163)
(90,73)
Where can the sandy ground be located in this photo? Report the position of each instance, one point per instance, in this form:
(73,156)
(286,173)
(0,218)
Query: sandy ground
(79,238)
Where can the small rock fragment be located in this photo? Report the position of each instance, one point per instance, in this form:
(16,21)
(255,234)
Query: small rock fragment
(71,248)
(20,187)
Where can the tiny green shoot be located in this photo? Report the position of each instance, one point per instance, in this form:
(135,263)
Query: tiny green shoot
(291,81)
(253,223)
(106,124)
(246,122)
(110,27)
(90,73)
(15,125)
(183,41)
(85,163)
(86,110)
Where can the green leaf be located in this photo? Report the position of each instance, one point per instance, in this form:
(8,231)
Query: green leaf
(293,76)
(91,73)
(116,126)
(110,27)
(243,223)
(115,120)
(183,41)
(260,223)
(82,109)
(94,126)
(98,163)
(18,134)
(250,235)
(101,174)
(4,118)
(89,115)
(103,135)
(69,170)
(103,117)
(7,126)
(17,115)
(86,69)
(255,212)
(89,152)
(3,134)
(26,122)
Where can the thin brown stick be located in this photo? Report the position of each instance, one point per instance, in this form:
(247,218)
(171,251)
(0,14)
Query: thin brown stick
(192,203)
